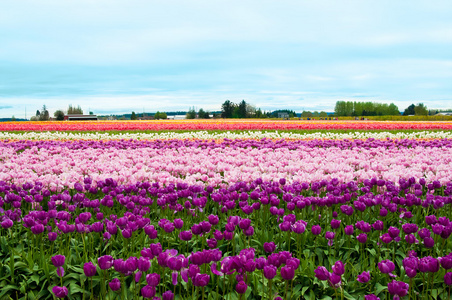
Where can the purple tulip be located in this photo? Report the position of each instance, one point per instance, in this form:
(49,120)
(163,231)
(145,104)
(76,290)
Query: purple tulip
(335,279)
(448,278)
(201,280)
(338,268)
(429,242)
(153,279)
(148,291)
(398,288)
(178,223)
(60,271)
(218,235)
(269,247)
(348,230)
(241,287)
(335,224)
(362,238)
(7,224)
(322,273)
(378,225)
(299,227)
(270,271)
(89,269)
(329,235)
(428,264)
(58,260)
(105,262)
(371,297)
(168,295)
(168,227)
(143,264)
(386,238)
(37,229)
(52,236)
(287,273)
(424,233)
(185,235)
(115,284)
(316,229)
(364,277)
(60,291)
(386,266)
(393,232)
(212,243)
(249,231)
(446,262)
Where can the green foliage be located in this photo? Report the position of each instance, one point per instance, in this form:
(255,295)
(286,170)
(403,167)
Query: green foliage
(227,109)
(133,116)
(72,110)
(44,115)
(242,110)
(160,115)
(59,115)
(191,114)
(203,114)
(349,108)
(420,110)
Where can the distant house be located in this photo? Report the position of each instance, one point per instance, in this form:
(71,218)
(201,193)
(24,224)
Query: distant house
(445,113)
(283,116)
(80,118)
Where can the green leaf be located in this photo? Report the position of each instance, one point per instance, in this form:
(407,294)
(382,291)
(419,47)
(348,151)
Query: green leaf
(379,288)
(372,251)
(303,290)
(8,288)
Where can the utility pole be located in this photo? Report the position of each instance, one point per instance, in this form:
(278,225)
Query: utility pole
(25,113)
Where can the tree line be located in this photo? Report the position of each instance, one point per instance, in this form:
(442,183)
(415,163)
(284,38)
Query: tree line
(353,108)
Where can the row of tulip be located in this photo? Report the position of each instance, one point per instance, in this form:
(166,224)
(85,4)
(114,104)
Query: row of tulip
(59,165)
(206,135)
(191,125)
(104,240)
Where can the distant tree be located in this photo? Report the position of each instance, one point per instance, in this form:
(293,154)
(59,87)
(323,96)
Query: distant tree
(13,118)
(38,113)
(160,115)
(74,110)
(409,110)
(323,114)
(258,113)
(202,114)
(34,118)
(191,114)
(250,111)
(315,114)
(59,115)
(133,116)
(91,113)
(242,110)
(227,109)
(420,110)
(393,110)
(306,114)
(44,116)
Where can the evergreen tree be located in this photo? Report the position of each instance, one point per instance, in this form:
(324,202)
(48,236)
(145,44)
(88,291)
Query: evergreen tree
(409,110)
(242,110)
(133,116)
(191,114)
(227,109)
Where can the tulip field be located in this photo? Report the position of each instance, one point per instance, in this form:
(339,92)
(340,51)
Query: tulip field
(226,210)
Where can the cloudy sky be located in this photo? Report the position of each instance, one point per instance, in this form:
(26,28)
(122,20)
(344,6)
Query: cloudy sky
(121,56)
